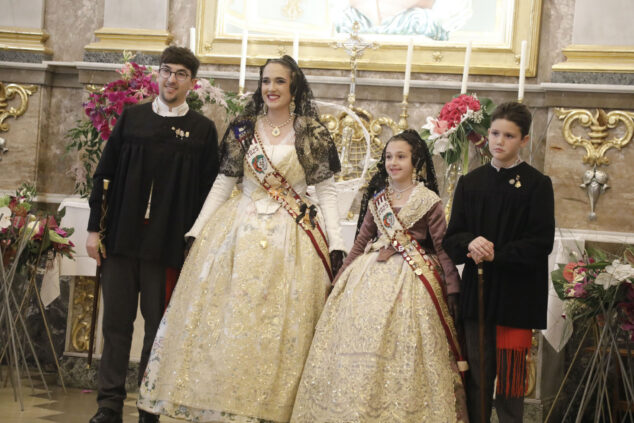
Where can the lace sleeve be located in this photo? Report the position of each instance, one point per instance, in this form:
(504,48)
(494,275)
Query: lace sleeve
(316,151)
(231,154)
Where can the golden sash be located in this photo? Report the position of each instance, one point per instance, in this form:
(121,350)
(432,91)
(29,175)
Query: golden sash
(421,264)
(276,185)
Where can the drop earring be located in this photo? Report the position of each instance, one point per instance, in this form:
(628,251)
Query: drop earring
(265,109)
(291,107)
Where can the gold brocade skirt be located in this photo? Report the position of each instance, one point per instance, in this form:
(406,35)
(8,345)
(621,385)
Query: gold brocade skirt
(379,353)
(233,342)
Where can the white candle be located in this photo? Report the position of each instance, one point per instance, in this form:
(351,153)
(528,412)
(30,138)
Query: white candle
(520,91)
(192,39)
(243,58)
(465,71)
(296,47)
(408,66)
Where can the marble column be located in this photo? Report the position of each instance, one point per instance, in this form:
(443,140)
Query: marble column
(139,27)
(22,36)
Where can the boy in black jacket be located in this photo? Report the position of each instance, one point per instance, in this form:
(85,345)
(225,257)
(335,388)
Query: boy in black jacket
(502,217)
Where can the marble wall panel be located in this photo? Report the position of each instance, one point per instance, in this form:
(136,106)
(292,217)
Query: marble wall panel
(71,25)
(20,164)
(54,162)
(613,26)
(564,164)
(143,14)
(22,13)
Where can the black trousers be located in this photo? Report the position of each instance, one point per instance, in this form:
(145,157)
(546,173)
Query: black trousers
(122,280)
(509,410)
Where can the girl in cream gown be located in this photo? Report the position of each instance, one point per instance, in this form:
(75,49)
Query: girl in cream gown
(380,353)
(232,344)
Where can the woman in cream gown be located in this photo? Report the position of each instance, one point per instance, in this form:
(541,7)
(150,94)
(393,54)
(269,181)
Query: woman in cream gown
(232,344)
(380,353)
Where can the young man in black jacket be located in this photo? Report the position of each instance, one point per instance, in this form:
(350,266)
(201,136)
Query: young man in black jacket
(161,160)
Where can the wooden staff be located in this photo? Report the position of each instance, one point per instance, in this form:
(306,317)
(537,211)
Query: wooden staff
(483,389)
(102,254)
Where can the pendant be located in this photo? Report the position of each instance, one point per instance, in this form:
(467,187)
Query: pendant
(515,181)
(398,195)
(276,131)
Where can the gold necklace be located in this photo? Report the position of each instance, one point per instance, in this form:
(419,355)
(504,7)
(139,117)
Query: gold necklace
(398,193)
(276,128)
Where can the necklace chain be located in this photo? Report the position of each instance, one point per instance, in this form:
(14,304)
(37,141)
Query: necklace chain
(276,128)
(398,193)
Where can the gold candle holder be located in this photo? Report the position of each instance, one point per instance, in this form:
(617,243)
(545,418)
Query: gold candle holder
(402,122)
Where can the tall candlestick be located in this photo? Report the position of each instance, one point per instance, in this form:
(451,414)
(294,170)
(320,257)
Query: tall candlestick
(520,91)
(243,60)
(192,39)
(408,66)
(465,71)
(296,47)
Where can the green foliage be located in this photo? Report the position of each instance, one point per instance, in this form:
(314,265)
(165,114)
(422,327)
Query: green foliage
(85,140)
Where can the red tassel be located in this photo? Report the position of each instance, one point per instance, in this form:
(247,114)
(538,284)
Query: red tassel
(512,345)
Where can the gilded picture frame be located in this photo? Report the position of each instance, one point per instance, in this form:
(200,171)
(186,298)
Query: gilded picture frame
(273,25)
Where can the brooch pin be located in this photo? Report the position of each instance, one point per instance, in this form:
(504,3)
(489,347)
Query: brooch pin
(180,133)
(515,181)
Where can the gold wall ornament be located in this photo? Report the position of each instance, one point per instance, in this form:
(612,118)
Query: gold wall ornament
(597,142)
(94,89)
(8,93)
(436,56)
(351,143)
(82,311)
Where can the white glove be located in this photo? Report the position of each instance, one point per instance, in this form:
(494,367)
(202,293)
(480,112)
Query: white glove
(327,196)
(219,193)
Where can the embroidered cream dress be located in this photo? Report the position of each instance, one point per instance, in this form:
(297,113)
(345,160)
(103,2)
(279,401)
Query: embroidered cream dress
(379,352)
(233,342)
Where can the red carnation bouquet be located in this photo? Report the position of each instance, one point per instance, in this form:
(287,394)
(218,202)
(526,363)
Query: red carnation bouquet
(463,120)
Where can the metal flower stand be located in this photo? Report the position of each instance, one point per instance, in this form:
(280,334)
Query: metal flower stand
(605,392)
(15,341)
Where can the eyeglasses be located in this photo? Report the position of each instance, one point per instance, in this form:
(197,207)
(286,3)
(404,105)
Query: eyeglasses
(166,73)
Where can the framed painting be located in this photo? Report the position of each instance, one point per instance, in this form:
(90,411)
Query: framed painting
(440,30)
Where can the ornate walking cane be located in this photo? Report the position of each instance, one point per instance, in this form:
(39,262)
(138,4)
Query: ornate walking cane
(481,341)
(102,253)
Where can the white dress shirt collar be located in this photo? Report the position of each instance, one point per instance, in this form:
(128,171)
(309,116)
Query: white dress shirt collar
(164,110)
